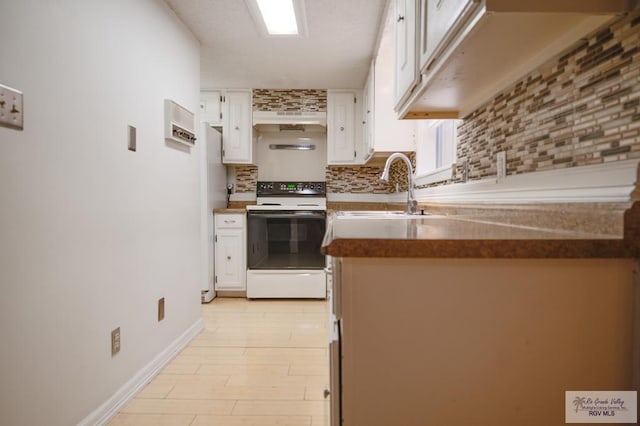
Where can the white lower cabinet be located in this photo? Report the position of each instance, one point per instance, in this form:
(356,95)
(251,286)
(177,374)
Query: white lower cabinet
(230,252)
(449,342)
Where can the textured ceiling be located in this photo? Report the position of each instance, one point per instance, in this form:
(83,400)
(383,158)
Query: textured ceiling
(336,53)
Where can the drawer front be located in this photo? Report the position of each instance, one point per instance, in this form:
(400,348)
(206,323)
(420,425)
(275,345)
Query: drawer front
(230,220)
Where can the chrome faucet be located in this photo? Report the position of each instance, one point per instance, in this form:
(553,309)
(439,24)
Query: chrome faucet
(412,204)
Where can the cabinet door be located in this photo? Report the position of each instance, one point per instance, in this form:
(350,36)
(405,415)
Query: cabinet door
(211,107)
(230,265)
(237,131)
(367,114)
(341,133)
(439,20)
(390,133)
(405,58)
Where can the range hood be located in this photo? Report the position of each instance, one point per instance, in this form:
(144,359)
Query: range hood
(295,118)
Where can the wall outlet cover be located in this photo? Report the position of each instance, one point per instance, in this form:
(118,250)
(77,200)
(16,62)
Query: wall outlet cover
(115,341)
(161,309)
(132,138)
(501,160)
(11,114)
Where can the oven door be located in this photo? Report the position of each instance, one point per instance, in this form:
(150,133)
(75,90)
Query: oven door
(285,239)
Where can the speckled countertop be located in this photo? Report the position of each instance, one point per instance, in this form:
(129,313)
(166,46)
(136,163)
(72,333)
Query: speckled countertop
(473,236)
(230,211)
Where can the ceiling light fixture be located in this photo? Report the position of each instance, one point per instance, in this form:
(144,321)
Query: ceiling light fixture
(278,18)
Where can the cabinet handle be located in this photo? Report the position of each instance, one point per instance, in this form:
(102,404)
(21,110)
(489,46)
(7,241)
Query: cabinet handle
(228,257)
(400,18)
(237,128)
(342,129)
(229,221)
(326,393)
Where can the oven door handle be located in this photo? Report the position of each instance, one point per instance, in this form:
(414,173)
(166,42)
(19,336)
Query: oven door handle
(288,214)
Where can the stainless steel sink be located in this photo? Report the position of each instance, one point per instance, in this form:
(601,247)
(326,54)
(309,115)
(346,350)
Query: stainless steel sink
(371,213)
(374,214)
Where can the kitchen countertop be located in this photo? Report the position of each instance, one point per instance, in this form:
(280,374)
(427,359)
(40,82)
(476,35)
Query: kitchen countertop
(230,211)
(469,236)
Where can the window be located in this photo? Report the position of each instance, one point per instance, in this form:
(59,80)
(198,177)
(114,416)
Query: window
(435,150)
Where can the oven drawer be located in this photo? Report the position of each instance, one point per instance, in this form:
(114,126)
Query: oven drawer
(297,283)
(224,220)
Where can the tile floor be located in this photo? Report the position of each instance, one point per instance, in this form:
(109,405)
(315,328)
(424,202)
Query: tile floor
(260,362)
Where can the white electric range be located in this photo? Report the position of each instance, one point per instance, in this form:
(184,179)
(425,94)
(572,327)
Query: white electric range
(284,234)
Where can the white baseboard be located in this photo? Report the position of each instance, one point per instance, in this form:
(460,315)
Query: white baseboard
(122,396)
(607,182)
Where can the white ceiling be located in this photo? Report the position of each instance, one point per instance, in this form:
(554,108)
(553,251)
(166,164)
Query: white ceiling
(336,53)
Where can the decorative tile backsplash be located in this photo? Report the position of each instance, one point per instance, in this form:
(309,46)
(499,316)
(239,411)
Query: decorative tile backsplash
(357,180)
(246,179)
(304,100)
(366,179)
(579,109)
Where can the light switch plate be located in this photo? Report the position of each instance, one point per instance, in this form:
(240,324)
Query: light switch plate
(115,341)
(11,114)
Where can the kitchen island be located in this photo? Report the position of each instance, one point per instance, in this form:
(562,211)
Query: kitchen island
(459,320)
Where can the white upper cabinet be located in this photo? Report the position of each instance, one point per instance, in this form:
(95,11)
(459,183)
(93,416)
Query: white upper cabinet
(467,51)
(388,133)
(211,107)
(238,141)
(405,59)
(438,19)
(341,127)
(368,105)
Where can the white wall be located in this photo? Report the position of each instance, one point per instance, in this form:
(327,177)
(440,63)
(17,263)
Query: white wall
(92,234)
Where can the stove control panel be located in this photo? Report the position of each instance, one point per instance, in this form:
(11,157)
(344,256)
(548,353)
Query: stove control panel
(288,188)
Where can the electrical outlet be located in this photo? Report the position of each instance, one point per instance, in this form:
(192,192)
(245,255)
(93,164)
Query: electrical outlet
(161,309)
(465,170)
(501,160)
(132,138)
(115,341)
(11,114)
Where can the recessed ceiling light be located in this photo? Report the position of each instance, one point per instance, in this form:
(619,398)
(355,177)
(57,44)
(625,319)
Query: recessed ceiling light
(278,18)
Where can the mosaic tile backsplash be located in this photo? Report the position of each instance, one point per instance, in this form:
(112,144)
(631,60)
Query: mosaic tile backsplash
(366,179)
(340,179)
(304,100)
(579,109)
(357,180)
(246,178)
